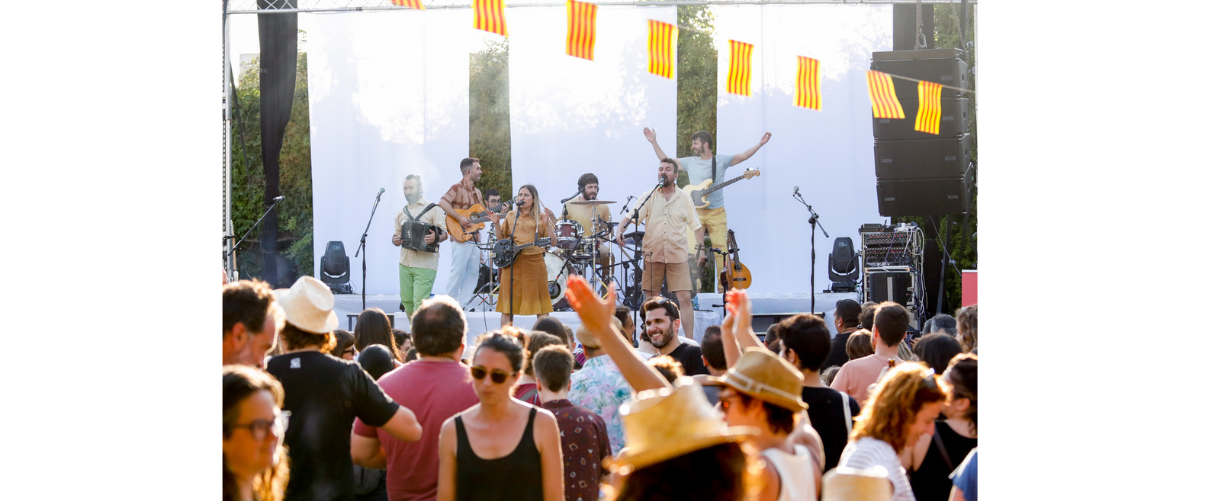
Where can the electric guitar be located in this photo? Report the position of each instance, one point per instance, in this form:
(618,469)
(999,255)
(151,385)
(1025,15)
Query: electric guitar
(505,253)
(476,215)
(698,192)
(735,275)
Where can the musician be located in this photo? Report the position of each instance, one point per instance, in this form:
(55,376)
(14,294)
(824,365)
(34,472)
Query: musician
(708,165)
(416,269)
(668,216)
(530,286)
(465,255)
(591,217)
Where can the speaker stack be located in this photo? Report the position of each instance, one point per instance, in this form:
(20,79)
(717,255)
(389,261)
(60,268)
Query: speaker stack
(922,174)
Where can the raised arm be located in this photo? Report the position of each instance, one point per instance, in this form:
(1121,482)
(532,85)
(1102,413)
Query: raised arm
(596,315)
(743,330)
(651,135)
(744,155)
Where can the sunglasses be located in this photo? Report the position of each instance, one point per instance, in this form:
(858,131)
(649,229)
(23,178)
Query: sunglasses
(259,428)
(497,376)
(930,382)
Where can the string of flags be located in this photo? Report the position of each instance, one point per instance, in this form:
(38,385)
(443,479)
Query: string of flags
(582,18)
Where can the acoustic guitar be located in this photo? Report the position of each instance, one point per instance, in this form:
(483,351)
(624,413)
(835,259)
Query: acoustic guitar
(735,275)
(476,215)
(698,192)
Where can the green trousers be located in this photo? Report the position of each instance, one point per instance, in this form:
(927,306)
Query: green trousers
(416,286)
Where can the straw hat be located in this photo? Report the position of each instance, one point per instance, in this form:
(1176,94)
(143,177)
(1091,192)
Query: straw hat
(851,484)
(309,306)
(588,339)
(664,424)
(763,375)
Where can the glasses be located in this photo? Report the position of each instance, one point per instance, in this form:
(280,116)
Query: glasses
(259,428)
(497,376)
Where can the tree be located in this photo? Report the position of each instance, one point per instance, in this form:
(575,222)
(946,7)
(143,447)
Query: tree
(489,115)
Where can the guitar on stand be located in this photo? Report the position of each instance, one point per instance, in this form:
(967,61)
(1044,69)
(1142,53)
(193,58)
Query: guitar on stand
(476,215)
(698,192)
(735,275)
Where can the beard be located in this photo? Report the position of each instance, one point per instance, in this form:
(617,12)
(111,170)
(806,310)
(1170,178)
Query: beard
(413,198)
(588,196)
(665,340)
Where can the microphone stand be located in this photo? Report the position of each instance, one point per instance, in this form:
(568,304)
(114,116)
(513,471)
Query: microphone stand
(814,220)
(248,233)
(510,249)
(364,260)
(636,217)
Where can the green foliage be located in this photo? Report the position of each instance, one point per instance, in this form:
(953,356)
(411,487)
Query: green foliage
(489,115)
(295,215)
(697,75)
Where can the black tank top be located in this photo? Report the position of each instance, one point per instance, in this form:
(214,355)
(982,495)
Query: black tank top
(932,480)
(517,476)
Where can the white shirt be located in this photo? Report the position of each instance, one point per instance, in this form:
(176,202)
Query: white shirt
(796,476)
(868,452)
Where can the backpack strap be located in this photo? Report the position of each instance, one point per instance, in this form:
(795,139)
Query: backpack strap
(849,421)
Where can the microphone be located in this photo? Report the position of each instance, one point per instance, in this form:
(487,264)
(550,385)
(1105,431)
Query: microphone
(519,203)
(277,199)
(796,190)
(660,181)
(379,193)
(579,192)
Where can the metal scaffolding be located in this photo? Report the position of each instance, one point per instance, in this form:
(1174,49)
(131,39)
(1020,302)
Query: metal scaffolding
(250,7)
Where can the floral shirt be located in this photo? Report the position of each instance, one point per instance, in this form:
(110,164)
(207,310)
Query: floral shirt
(601,389)
(584,444)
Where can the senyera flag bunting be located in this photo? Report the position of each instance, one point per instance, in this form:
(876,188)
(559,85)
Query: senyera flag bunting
(579,41)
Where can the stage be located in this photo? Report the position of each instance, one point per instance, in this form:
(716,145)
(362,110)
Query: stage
(767,309)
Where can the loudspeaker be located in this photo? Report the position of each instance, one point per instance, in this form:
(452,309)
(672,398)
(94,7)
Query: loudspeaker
(925,197)
(955,121)
(943,66)
(922,158)
(889,286)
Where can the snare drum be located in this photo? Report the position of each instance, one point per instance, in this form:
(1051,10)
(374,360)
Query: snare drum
(558,276)
(568,233)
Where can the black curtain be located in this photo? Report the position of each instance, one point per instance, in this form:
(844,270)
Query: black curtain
(277,81)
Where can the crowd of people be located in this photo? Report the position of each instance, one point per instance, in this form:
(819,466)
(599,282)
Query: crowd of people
(312,412)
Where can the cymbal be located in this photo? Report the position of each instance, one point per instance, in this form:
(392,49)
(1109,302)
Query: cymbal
(592,202)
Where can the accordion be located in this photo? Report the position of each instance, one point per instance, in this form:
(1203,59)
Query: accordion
(413,233)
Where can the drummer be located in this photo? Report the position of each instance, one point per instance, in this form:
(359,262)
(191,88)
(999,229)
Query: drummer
(593,218)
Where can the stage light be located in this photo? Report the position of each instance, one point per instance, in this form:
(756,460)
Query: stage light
(843,265)
(335,267)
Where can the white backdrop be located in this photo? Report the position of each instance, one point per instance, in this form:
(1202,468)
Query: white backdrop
(570,116)
(388,97)
(828,154)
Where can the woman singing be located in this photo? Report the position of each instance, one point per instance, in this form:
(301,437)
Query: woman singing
(529,293)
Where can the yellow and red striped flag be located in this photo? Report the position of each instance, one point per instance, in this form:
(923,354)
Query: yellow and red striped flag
(882,96)
(807,84)
(663,41)
(928,114)
(740,66)
(413,4)
(579,42)
(488,16)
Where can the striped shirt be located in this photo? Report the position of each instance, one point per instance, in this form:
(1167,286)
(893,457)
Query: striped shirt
(867,453)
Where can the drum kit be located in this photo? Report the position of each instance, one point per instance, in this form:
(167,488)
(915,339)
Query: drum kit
(579,252)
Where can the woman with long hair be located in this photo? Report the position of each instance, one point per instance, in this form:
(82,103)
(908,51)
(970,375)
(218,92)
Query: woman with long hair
(372,327)
(527,294)
(501,448)
(899,411)
(254,463)
(935,457)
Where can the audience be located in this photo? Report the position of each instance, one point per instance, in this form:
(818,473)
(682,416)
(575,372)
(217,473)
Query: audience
(436,387)
(377,361)
(584,442)
(371,482)
(940,323)
(806,345)
(628,325)
(478,456)
(402,340)
(553,326)
(254,465)
(249,322)
(934,457)
(525,389)
(902,408)
(859,344)
(846,320)
(856,376)
(968,327)
(373,327)
(936,350)
(599,387)
(713,357)
(966,479)
(669,368)
(325,395)
(866,318)
(662,323)
(345,345)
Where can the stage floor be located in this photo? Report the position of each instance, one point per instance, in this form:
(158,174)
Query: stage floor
(766,307)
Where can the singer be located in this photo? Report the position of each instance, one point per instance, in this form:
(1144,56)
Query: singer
(530,286)
(668,217)
(466,255)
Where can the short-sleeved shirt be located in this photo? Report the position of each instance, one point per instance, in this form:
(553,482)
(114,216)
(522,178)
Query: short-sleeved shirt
(856,376)
(691,358)
(666,224)
(434,391)
(700,170)
(966,477)
(583,213)
(828,418)
(868,452)
(461,196)
(600,388)
(525,231)
(584,444)
(325,395)
(435,216)
(837,356)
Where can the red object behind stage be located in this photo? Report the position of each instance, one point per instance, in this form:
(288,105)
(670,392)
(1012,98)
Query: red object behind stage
(970,287)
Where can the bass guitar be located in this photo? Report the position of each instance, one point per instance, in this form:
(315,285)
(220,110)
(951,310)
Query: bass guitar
(698,192)
(505,253)
(476,215)
(735,275)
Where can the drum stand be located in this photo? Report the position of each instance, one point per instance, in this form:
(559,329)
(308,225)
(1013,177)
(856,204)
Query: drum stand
(489,300)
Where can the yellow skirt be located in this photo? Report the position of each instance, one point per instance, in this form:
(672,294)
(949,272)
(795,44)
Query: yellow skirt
(531,286)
